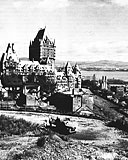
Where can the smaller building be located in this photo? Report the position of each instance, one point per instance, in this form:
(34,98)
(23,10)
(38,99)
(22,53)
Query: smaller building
(119,92)
(68,101)
(69,78)
(73,101)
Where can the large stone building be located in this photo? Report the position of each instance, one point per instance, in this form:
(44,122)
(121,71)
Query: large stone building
(38,73)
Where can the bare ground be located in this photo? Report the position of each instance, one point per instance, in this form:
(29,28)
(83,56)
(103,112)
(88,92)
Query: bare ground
(93,140)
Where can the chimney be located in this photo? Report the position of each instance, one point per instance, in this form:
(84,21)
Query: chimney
(102,78)
(72,91)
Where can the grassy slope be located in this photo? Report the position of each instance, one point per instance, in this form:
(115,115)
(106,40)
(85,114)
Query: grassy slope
(22,146)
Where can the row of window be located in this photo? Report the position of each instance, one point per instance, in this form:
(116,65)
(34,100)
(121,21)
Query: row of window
(21,72)
(46,54)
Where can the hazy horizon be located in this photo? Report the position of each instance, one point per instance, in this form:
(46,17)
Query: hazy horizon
(60,60)
(84,30)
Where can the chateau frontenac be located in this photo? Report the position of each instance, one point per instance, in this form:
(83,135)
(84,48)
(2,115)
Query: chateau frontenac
(38,71)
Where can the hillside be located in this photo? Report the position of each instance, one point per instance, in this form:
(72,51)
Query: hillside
(93,140)
(98,64)
(86,64)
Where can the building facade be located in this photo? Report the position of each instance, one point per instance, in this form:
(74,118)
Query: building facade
(69,78)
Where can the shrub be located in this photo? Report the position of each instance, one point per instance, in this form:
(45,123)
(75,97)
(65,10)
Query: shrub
(41,141)
(12,126)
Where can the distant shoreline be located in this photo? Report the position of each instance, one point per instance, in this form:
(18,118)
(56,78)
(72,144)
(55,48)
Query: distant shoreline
(110,74)
(121,70)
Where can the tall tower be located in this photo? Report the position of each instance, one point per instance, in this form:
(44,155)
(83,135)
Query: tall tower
(77,73)
(42,49)
(68,69)
(70,76)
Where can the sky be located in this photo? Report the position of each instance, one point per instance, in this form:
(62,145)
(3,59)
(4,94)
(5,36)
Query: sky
(84,30)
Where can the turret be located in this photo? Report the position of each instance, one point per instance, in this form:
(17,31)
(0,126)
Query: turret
(76,70)
(104,82)
(68,69)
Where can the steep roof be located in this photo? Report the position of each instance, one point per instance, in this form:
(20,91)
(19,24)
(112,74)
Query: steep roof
(40,34)
(76,69)
(68,65)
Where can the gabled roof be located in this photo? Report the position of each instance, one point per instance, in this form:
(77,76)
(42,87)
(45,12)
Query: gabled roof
(76,69)
(68,65)
(40,34)
(48,60)
(10,52)
(45,60)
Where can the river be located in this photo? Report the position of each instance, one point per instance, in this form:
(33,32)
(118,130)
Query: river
(122,75)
